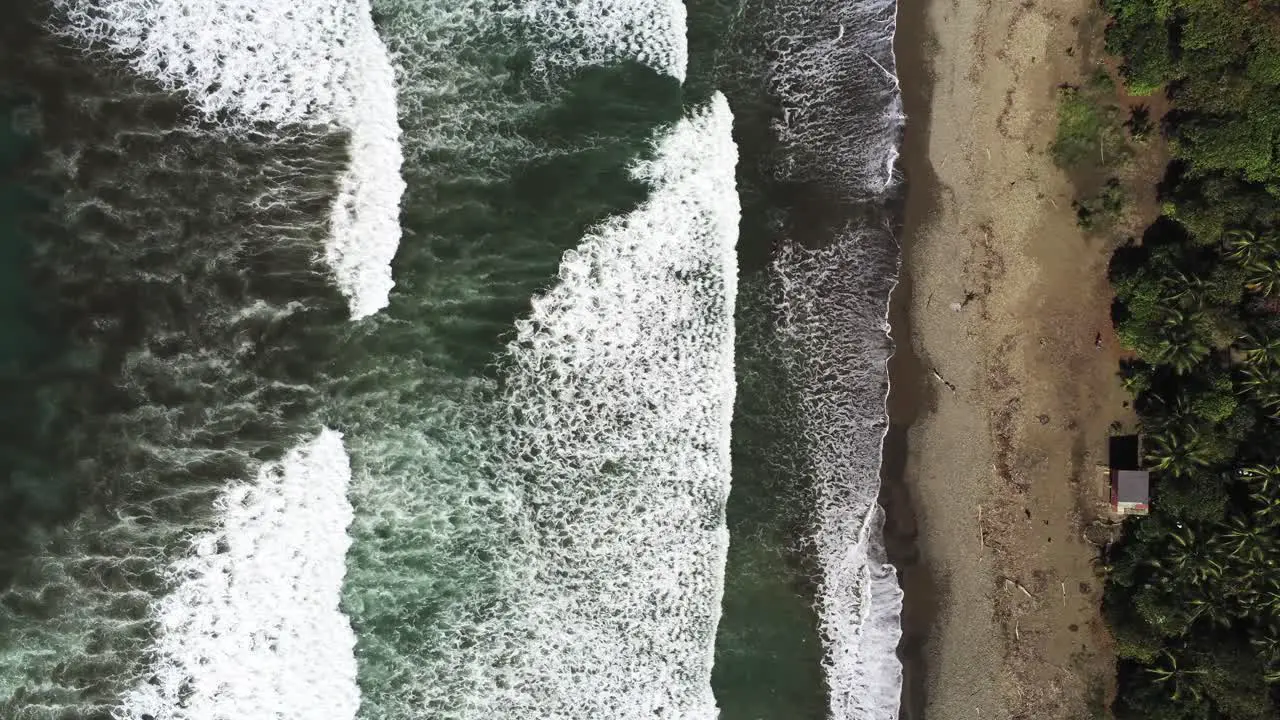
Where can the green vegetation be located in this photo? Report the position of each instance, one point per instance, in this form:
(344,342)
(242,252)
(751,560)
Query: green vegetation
(1193,594)
(1139,123)
(1091,143)
(1101,210)
(1089,129)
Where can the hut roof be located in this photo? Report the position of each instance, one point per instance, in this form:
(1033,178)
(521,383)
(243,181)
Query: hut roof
(1132,486)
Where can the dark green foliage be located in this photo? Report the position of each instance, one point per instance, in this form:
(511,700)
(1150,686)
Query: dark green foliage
(1193,594)
(1220,60)
(1140,33)
(1139,123)
(1101,210)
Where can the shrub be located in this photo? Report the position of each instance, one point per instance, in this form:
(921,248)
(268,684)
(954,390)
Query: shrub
(1088,131)
(1101,210)
(1139,123)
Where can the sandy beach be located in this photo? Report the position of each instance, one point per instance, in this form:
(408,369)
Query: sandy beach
(1005,385)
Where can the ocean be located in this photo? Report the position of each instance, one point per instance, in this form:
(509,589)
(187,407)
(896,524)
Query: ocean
(458,359)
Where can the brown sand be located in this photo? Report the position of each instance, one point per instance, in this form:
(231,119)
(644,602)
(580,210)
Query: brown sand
(1001,405)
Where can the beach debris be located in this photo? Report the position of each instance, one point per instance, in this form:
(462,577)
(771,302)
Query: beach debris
(1044,419)
(892,78)
(1015,583)
(942,380)
(1064,594)
(957,307)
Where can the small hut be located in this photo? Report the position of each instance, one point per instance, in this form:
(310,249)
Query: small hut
(1130,484)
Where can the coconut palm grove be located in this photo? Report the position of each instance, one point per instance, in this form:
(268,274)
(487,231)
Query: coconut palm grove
(1193,593)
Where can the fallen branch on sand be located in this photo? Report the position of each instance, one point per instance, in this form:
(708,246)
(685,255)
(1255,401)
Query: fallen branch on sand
(942,379)
(1015,583)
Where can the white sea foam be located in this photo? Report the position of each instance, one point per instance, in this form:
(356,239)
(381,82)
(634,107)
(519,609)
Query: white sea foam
(253,628)
(832,304)
(622,396)
(246,63)
(597,32)
(832,71)
(563,557)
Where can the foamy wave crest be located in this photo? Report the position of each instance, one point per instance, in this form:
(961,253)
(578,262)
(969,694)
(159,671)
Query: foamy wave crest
(831,305)
(245,63)
(596,32)
(621,396)
(560,554)
(833,74)
(253,628)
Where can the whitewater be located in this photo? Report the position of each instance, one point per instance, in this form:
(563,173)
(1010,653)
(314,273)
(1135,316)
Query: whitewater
(840,129)
(612,433)
(245,63)
(544,536)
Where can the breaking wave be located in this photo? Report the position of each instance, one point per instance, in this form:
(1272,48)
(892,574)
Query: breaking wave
(537,410)
(832,70)
(820,177)
(176,277)
(608,433)
(252,627)
(831,310)
(599,32)
(250,65)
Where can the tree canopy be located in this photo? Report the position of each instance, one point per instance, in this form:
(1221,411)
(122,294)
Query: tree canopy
(1193,594)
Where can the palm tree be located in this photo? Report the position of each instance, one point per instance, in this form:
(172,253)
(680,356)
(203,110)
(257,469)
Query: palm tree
(1250,541)
(1265,479)
(1207,606)
(1187,558)
(1267,641)
(1189,292)
(1259,349)
(1181,681)
(1264,384)
(1268,506)
(1264,276)
(1176,452)
(1181,345)
(1170,415)
(1244,246)
(1269,600)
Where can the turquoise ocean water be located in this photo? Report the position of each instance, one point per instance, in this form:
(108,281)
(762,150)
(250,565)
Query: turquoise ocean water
(425,359)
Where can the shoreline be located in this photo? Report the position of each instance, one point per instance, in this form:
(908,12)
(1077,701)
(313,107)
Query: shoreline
(908,389)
